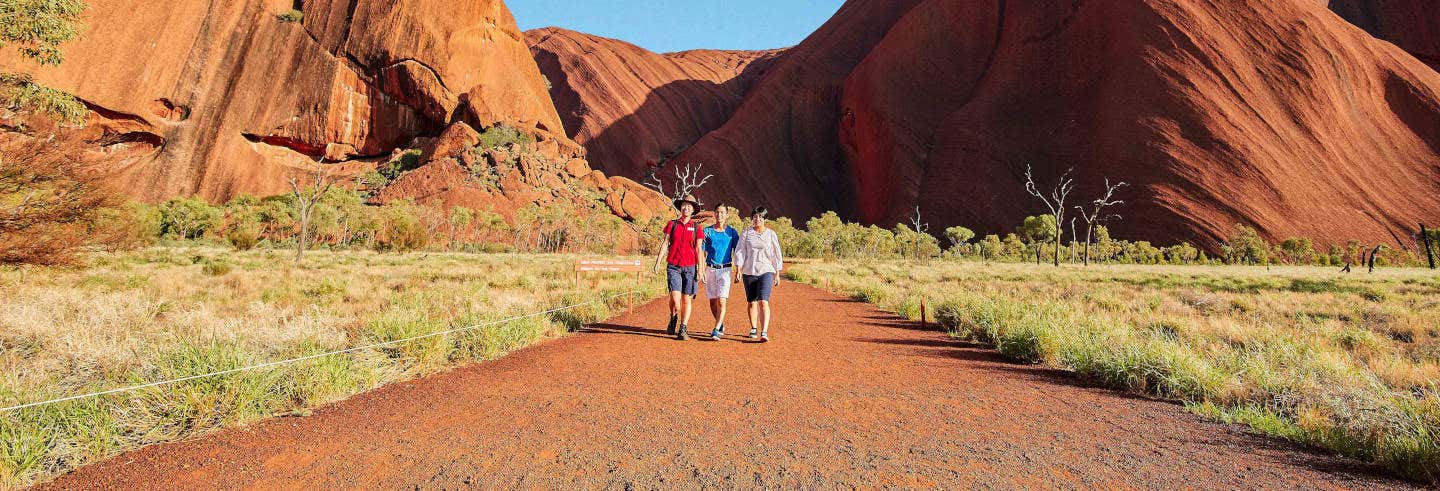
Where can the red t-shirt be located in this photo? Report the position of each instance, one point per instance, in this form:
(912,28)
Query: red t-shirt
(683,237)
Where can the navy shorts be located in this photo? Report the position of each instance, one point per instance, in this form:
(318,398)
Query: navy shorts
(757,288)
(681,279)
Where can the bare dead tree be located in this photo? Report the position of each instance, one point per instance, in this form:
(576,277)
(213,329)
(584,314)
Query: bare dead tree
(1371,261)
(1055,201)
(920,228)
(688,179)
(1096,213)
(307,195)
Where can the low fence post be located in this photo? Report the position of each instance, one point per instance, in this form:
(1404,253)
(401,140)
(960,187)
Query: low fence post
(924,324)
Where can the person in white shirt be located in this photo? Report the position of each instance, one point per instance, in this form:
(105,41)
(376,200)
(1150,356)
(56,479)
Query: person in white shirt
(759,260)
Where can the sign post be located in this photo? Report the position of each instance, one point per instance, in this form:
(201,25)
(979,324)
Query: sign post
(610,266)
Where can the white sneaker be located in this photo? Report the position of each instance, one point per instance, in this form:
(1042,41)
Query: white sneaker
(764,337)
(754,333)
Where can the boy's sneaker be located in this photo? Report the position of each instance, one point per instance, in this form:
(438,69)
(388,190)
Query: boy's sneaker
(670,329)
(684,333)
(764,337)
(718,332)
(754,333)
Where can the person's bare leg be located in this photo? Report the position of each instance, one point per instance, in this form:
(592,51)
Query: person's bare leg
(755,317)
(719,308)
(687,307)
(675,303)
(765,311)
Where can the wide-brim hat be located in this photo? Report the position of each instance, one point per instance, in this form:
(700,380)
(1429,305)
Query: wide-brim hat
(689,198)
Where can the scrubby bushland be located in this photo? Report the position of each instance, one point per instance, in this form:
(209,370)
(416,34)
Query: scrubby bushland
(51,209)
(1348,363)
(163,313)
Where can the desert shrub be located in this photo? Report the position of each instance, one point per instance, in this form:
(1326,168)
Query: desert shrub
(1244,246)
(292,16)
(405,162)
(503,135)
(216,267)
(188,218)
(243,235)
(50,206)
(403,229)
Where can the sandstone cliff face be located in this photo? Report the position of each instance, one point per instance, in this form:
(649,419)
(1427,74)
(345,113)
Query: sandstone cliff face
(632,108)
(1273,114)
(229,97)
(1413,25)
(1219,112)
(781,147)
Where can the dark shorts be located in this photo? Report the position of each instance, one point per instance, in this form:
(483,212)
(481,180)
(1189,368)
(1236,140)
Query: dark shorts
(757,288)
(681,279)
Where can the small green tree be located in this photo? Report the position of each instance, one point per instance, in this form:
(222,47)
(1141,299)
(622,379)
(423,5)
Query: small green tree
(1297,250)
(959,237)
(1245,246)
(188,218)
(1037,229)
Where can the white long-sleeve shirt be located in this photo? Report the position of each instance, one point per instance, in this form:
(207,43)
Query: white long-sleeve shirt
(759,253)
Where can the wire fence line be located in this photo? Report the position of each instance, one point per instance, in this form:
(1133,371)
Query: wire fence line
(310,357)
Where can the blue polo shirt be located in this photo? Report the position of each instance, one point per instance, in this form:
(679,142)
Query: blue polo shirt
(720,245)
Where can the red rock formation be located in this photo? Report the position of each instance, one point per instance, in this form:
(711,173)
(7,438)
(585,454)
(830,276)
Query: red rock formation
(234,97)
(781,147)
(630,107)
(1413,25)
(1217,112)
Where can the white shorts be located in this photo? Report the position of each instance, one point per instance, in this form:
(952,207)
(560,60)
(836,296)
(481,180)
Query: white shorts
(717,283)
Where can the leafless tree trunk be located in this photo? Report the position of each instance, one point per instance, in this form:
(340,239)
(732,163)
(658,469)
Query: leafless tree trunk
(306,197)
(1095,215)
(1055,201)
(1371,263)
(1429,251)
(1074,240)
(920,228)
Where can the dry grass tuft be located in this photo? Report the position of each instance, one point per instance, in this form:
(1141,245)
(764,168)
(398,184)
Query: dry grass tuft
(164,313)
(1346,362)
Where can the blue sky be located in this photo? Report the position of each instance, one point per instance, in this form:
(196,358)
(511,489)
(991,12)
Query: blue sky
(675,25)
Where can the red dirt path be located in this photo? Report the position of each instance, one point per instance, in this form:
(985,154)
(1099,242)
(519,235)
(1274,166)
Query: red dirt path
(844,395)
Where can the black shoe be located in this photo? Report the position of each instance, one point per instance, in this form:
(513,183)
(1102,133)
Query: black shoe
(684,333)
(670,329)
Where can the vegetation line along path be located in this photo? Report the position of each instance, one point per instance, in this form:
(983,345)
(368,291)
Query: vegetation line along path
(312,356)
(844,395)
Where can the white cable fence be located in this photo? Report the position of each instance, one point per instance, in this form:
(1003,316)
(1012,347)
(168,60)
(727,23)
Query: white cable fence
(313,356)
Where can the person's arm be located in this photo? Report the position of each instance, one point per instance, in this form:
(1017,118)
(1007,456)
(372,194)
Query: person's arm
(700,254)
(776,254)
(739,259)
(734,255)
(664,247)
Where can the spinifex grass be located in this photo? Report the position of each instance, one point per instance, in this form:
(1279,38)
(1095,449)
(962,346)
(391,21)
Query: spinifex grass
(169,313)
(1346,362)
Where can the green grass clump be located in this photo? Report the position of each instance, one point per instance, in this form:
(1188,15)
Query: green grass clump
(1347,363)
(292,16)
(503,135)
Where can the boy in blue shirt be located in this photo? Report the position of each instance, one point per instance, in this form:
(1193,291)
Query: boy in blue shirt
(718,245)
